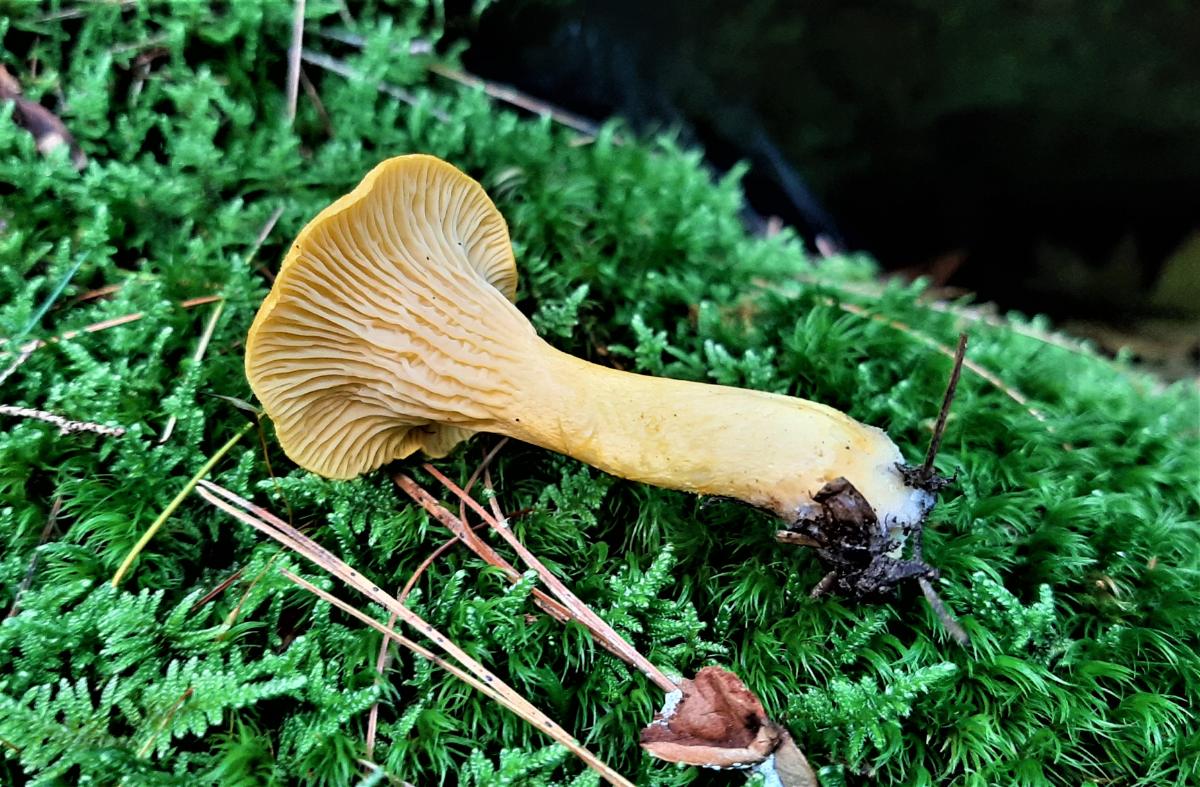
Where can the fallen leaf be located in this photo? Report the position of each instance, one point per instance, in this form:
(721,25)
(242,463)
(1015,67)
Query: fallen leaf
(714,721)
(49,132)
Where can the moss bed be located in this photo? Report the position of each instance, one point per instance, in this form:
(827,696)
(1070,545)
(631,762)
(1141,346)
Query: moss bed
(1069,547)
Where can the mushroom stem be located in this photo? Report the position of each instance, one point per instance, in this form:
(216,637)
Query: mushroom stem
(771,451)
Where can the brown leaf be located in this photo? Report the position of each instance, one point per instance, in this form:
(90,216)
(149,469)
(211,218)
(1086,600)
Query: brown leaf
(716,723)
(9,86)
(49,132)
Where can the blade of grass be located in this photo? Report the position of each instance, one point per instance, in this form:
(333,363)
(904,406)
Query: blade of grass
(175,503)
(54,295)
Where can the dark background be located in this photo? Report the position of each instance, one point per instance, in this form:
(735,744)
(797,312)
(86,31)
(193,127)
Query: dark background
(1044,154)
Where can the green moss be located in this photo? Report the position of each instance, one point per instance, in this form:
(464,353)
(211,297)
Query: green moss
(1069,548)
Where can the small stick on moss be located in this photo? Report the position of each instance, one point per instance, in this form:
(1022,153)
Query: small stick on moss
(232,617)
(475,543)
(81,11)
(274,527)
(939,428)
(92,295)
(197,356)
(293,73)
(516,98)
(218,590)
(931,595)
(310,90)
(927,477)
(502,93)
(65,426)
(175,503)
(200,300)
(51,522)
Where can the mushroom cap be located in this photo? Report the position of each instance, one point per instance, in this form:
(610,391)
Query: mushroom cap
(385,302)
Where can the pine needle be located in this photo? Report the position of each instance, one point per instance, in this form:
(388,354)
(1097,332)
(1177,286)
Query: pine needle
(47,529)
(293,73)
(582,612)
(27,349)
(201,347)
(274,527)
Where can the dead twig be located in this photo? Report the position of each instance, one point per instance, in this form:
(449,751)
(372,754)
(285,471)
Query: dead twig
(310,90)
(516,98)
(92,295)
(477,545)
(76,12)
(499,92)
(263,234)
(51,522)
(939,428)
(65,426)
(218,590)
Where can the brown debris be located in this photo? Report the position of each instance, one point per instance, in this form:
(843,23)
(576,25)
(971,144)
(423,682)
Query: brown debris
(718,723)
(49,132)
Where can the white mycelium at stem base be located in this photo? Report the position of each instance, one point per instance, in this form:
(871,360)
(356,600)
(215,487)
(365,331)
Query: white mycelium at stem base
(390,328)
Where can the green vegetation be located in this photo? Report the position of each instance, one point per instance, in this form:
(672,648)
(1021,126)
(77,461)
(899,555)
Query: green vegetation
(1069,548)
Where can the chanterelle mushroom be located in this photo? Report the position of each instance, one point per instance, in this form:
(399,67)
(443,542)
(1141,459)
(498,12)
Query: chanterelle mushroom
(390,328)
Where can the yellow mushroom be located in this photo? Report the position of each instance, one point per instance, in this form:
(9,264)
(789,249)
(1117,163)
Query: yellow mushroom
(391,328)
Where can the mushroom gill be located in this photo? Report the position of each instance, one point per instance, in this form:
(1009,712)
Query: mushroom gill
(380,336)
